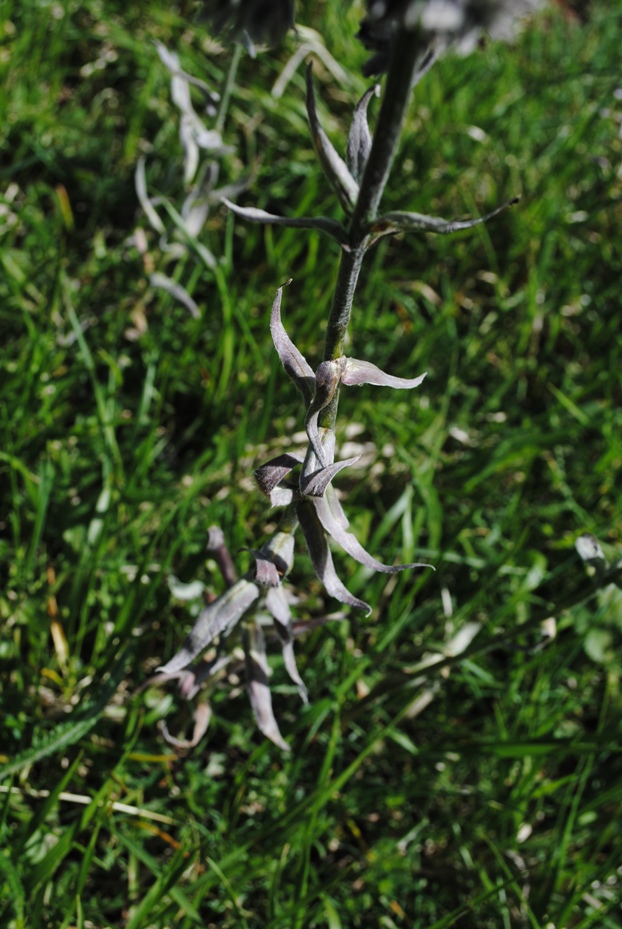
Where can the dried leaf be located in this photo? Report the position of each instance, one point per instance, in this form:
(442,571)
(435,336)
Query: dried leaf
(257,672)
(330,227)
(359,139)
(292,360)
(334,166)
(321,557)
(218,618)
(356,373)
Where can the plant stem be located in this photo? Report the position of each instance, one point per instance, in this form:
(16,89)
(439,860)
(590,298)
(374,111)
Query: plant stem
(400,80)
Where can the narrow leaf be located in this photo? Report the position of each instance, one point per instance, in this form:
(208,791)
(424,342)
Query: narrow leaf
(292,360)
(218,618)
(321,557)
(399,221)
(357,372)
(334,166)
(330,227)
(257,672)
(359,139)
(348,542)
(272,472)
(217,547)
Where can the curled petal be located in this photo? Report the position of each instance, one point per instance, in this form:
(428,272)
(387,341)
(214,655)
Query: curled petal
(218,618)
(257,672)
(321,557)
(334,166)
(273,472)
(292,360)
(314,485)
(331,522)
(399,221)
(356,372)
(330,227)
(276,602)
(359,139)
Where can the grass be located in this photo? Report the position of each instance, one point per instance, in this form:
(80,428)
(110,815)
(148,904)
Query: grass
(455,767)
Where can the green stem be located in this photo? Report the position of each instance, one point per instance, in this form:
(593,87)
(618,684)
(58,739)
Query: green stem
(400,80)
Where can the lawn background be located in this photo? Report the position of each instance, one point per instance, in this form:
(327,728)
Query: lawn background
(455,766)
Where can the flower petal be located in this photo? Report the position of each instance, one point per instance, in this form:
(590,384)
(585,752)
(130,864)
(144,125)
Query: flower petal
(321,557)
(276,602)
(272,472)
(357,372)
(292,360)
(314,485)
(258,672)
(334,166)
(218,618)
(332,524)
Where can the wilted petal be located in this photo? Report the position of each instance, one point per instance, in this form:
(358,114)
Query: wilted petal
(357,372)
(334,166)
(218,618)
(292,360)
(257,672)
(272,472)
(332,523)
(392,223)
(314,485)
(359,139)
(326,382)
(321,557)
(276,602)
(266,574)
(322,223)
(280,549)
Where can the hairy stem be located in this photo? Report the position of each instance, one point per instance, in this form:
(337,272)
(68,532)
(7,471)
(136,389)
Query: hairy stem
(400,80)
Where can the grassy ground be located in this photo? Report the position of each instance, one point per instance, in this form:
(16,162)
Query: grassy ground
(455,766)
